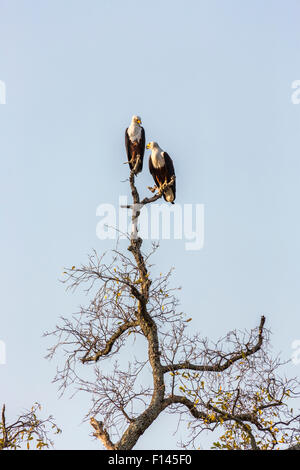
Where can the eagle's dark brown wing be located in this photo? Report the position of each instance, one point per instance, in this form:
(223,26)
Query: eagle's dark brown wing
(127,146)
(170,171)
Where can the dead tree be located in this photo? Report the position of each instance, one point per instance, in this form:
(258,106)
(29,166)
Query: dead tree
(179,372)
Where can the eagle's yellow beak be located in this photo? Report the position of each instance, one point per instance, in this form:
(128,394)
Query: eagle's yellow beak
(147,146)
(139,121)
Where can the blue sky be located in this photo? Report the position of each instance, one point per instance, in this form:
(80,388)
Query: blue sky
(212,82)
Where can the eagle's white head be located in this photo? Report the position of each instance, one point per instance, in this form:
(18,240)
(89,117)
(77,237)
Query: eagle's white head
(152,145)
(136,120)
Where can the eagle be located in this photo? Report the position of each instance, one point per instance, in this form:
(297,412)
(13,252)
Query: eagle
(162,169)
(135,144)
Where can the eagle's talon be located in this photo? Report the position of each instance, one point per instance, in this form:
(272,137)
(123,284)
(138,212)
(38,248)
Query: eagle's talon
(152,189)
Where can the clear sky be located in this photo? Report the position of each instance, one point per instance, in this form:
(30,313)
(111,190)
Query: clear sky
(212,82)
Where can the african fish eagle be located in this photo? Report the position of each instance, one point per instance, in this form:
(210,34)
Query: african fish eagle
(162,169)
(135,144)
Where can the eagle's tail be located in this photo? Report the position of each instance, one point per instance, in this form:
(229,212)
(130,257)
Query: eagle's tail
(169,195)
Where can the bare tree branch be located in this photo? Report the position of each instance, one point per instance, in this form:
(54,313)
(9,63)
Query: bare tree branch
(25,429)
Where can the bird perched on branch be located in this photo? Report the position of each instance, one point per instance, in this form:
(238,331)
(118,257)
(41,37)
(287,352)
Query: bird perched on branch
(135,144)
(162,169)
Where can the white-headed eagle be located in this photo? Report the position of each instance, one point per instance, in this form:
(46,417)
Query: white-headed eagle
(162,169)
(135,144)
